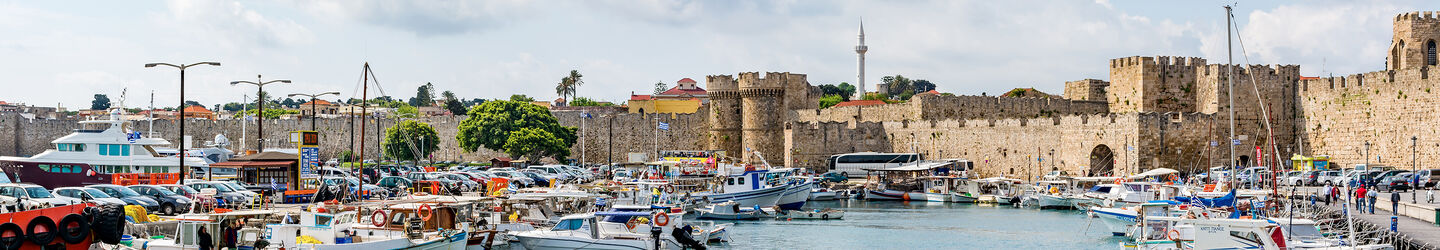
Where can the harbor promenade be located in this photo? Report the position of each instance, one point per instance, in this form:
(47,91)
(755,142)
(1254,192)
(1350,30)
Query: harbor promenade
(1415,220)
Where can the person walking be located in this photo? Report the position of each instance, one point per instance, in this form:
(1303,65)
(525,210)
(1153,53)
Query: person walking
(1394,203)
(1329,193)
(1359,198)
(1372,194)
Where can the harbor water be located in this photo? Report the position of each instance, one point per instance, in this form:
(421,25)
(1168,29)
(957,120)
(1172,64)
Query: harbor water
(922,225)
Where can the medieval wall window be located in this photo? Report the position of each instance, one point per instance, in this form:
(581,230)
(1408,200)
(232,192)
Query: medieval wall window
(1430,52)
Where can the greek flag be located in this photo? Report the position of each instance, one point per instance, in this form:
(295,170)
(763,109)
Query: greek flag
(586,115)
(663,126)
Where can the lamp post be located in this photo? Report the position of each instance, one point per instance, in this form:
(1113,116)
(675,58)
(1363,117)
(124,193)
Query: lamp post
(259,101)
(313,98)
(184,170)
(1415,166)
(1367,164)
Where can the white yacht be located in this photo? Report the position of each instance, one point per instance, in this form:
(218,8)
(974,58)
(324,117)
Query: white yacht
(94,156)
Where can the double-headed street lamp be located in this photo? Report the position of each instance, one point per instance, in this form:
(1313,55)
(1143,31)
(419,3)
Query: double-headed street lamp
(184,170)
(312,104)
(260,101)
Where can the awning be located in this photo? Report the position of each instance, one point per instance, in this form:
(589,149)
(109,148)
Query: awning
(1154,172)
(253,164)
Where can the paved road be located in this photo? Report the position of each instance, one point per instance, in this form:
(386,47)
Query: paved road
(1419,230)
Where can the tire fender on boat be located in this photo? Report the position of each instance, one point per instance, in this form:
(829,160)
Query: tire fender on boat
(11,236)
(380,222)
(41,230)
(76,234)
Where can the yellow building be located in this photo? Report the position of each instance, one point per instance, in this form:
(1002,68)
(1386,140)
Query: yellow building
(684,98)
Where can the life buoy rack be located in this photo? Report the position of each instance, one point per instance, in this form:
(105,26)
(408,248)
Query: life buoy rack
(1172,235)
(661,219)
(425,212)
(379,222)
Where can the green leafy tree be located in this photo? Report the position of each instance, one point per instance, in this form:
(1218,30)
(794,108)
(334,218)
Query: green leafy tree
(456,107)
(830,101)
(347,156)
(410,140)
(101,102)
(491,124)
(922,85)
(521,98)
(406,111)
(846,90)
(584,102)
(565,87)
(424,96)
(447,96)
(535,143)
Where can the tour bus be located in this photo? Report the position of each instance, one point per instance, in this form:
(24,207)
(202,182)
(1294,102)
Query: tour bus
(853,164)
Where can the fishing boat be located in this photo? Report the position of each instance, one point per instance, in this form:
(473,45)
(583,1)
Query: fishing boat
(822,194)
(111,154)
(729,210)
(998,190)
(748,188)
(797,188)
(1053,195)
(584,231)
(815,214)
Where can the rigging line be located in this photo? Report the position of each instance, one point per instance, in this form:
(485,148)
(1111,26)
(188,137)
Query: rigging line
(375,79)
(1275,149)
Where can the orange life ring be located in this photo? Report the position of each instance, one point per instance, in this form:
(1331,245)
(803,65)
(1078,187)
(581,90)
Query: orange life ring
(380,222)
(1172,235)
(1117,181)
(661,219)
(425,212)
(1174,178)
(670,189)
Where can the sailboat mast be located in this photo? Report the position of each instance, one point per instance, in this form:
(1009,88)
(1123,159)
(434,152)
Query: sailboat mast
(1230,88)
(364,97)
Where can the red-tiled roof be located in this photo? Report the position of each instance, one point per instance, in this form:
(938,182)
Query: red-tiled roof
(196,109)
(677,91)
(860,103)
(318,102)
(501,159)
(686,80)
(933,92)
(640,97)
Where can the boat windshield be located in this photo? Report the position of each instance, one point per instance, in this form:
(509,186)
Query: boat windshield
(96,193)
(569,225)
(1304,232)
(38,192)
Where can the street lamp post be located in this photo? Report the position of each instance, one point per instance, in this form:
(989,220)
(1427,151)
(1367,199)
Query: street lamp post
(184,170)
(312,104)
(1415,165)
(259,101)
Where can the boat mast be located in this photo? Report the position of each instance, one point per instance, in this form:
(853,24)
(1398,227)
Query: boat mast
(1230,92)
(364,97)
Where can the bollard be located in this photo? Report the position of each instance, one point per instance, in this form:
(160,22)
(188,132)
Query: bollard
(1394,222)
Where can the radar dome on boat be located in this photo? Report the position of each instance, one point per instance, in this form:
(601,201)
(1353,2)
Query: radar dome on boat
(221,140)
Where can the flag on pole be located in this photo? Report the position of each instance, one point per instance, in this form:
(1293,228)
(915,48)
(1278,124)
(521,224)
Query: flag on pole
(586,115)
(663,126)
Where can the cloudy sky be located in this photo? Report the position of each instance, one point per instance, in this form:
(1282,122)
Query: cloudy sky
(63,52)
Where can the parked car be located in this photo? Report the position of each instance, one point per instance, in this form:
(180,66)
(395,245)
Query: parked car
(1385,176)
(375,191)
(1288,178)
(395,184)
(1310,178)
(517,179)
(129,196)
(454,183)
(834,177)
(31,196)
(170,202)
(1398,182)
(1331,177)
(203,200)
(89,195)
(465,182)
(1425,178)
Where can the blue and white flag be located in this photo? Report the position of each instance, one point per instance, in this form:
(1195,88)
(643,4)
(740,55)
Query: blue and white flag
(663,126)
(586,115)
(132,136)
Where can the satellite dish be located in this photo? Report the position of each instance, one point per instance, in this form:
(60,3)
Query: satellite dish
(220,140)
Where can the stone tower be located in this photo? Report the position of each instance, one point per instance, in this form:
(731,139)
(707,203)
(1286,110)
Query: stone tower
(724,114)
(860,50)
(762,116)
(1413,44)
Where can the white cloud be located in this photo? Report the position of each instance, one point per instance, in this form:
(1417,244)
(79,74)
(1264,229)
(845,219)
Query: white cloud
(1346,37)
(427,17)
(234,25)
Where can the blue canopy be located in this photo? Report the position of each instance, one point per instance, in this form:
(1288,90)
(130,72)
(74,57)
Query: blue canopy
(1224,201)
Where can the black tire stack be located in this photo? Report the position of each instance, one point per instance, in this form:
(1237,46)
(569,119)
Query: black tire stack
(108,224)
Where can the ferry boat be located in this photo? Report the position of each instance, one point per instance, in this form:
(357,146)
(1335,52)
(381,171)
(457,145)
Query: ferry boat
(109,155)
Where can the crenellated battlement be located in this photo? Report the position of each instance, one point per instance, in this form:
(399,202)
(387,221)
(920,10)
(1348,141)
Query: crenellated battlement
(1424,16)
(1156,61)
(721,83)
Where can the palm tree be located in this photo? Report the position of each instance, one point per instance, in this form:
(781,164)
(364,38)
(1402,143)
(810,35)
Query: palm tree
(565,87)
(575,82)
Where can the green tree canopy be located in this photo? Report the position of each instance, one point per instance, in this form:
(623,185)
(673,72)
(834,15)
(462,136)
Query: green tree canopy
(583,101)
(410,140)
(101,102)
(456,107)
(521,98)
(424,96)
(491,125)
(661,87)
(830,100)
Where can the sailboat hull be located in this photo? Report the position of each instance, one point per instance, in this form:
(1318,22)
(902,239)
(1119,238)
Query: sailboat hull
(765,197)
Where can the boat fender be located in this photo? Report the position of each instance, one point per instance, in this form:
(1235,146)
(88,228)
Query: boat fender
(11,236)
(825,216)
(425,212)
(670,189)
(661,219)
(1172,235)
(109,224)
(41,230)
(379,222)
(74,228)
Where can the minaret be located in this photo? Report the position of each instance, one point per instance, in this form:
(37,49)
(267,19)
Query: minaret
(860,50)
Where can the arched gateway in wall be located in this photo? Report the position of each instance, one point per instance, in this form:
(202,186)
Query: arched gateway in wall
(1102,161)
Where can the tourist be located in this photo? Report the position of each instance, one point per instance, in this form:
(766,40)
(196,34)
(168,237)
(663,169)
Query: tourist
(231,229)
(205,240)
(1359,198)
(1394,203)
(1372,195)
